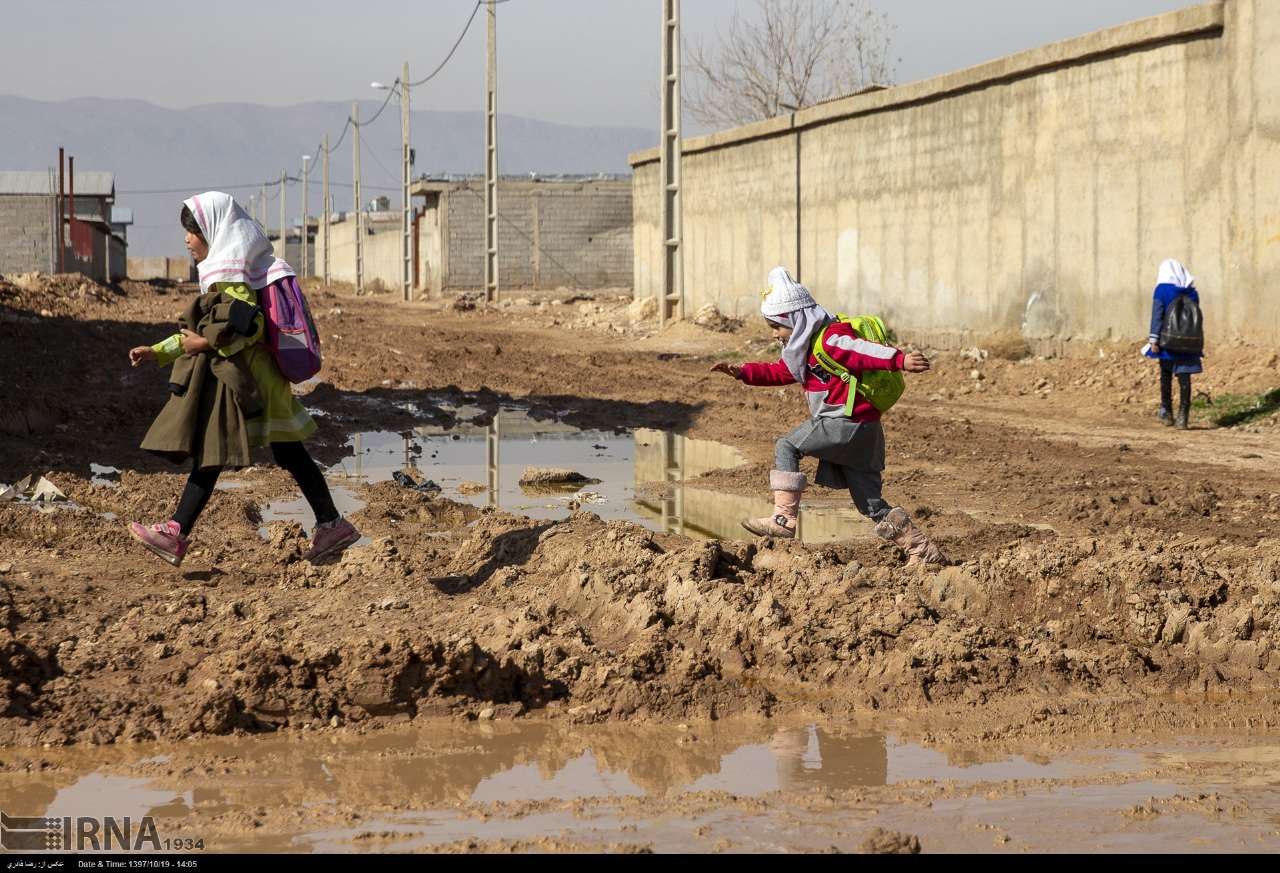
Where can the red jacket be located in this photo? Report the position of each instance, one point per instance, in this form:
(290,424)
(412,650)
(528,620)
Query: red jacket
(827,393)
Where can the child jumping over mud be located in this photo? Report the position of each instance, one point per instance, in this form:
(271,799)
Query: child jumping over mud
(1176,339)
(844,433)
(227,393)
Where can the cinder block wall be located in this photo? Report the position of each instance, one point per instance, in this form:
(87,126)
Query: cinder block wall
(550,234)
(25,227)
(584,235)
(1038,192)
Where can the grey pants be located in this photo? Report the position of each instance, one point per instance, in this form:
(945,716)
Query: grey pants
(850,455)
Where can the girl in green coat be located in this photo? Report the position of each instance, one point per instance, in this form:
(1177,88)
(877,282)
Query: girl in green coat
(227,394)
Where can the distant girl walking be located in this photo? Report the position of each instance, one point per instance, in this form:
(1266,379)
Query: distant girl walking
(227,394)
(1176,339)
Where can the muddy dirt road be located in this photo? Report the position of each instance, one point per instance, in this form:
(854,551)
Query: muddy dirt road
(1111,576)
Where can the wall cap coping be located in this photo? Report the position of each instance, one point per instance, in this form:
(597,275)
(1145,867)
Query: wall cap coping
(1204,19)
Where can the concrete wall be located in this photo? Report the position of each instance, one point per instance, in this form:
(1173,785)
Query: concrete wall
(117,266)
(1038,192)
(177,269)
(26,227)
(381,251)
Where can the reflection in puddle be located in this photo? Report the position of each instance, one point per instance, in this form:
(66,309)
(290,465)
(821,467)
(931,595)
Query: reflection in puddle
(410,781)
(480,461)
(96,795)
(672,459)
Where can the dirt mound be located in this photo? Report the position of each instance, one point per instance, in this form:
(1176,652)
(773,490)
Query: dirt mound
(54,294)
(603,621)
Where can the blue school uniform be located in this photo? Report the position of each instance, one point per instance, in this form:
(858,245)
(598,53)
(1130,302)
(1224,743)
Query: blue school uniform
(1181,363)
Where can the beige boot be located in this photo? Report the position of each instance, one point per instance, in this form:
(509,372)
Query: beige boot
(898,528)
(788,488)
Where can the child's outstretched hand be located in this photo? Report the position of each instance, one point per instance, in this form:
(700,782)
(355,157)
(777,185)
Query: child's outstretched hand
(728,369)
(915,362)
(140,354)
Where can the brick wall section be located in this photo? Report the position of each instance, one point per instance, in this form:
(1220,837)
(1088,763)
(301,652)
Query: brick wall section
(25,226)
(585,236)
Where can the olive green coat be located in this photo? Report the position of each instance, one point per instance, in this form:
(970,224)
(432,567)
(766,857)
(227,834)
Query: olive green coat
(211,396)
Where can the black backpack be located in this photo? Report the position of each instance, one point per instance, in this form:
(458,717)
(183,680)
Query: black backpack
(1183,328)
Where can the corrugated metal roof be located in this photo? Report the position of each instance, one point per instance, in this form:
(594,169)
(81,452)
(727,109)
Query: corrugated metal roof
(88,183)
(121,215)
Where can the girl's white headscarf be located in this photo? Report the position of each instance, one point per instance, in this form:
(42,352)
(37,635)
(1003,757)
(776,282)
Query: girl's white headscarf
(1173,273)
(238,249)
(790,304)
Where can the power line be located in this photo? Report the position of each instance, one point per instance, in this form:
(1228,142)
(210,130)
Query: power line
(390,93)
(377,160)
(456,43)
(188,189)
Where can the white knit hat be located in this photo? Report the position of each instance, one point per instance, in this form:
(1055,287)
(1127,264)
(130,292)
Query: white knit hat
(785,295)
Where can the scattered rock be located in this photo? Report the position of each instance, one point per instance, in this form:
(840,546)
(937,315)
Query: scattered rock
(642,309)
(883,842)
(710,317)
(554,476)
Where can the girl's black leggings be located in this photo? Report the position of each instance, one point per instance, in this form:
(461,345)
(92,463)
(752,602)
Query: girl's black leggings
(1166,388)
(294,457)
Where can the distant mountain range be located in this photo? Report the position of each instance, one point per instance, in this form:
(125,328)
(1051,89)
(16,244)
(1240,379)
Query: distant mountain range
(149,147)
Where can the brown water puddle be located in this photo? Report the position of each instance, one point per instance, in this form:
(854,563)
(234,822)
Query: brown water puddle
(480,460)
(750,786)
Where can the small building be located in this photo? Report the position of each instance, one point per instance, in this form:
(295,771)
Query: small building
(94,239)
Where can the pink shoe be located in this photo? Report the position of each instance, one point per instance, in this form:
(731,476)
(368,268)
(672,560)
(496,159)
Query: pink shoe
(165,539)
(332,539)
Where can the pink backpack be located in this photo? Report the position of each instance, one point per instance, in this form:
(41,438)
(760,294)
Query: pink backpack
(290,331)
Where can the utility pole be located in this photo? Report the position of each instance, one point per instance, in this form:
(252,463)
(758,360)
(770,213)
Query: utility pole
(491,161)
(262,207)
(324,193)
(671,306)
(62,212)
(283,237)
(71,202)
(355,150)
(306,175)
(406,222)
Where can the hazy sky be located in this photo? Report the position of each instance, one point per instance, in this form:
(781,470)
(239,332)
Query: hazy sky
(570,61)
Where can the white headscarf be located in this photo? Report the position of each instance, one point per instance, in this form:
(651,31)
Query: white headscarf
(238,249)
(790,304)
(1173,273)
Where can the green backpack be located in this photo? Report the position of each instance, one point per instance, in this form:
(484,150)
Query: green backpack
(882,388)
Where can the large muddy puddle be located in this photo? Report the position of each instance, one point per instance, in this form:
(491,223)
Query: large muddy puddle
(640,475)
(744,786)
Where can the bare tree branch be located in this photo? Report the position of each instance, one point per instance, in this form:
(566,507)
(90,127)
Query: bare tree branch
(791,54)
